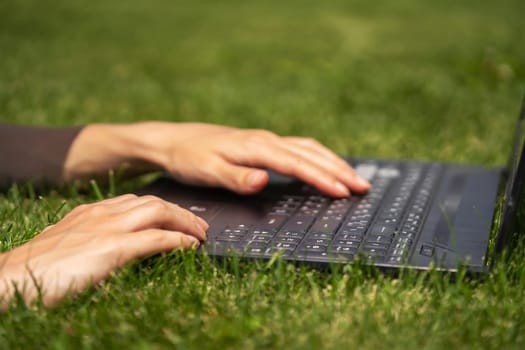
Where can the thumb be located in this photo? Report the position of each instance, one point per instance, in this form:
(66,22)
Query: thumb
(240,179)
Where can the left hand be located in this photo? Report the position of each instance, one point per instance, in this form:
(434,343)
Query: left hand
(92,241)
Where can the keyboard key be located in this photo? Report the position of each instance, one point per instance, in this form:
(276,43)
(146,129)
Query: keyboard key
(343,256)
(355,225)
(403,246)
(319,235)
(261,233)
(389,172)
(350,237)
(386,239)
(374,251)
(256,251)
(229,238)
(292,198)
(343,243)
(355,228)
(285,239)
(412,222)
(318,241)
(235,230)
(281,251)
(256,244)
(395,260)
(399,251)
(404,240)
(272,222)
(217,247)
(382,230)
(372,258)
(311,205)
(310,212)
(298,223)
(325,226)
(377,245)
(286,205)
(290,234)
(427,250)
(313,256)
(315,248)
(259,238)
(409,228)
(352,231)
(281,211)
(283,245)
(405,234)
(366,171)
(339,249)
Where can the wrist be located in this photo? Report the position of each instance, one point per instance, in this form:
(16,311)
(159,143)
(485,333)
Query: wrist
(103,147)
(141,142)
(9,278)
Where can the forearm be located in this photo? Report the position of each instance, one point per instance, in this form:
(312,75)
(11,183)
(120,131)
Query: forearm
(34,154)
(55,155)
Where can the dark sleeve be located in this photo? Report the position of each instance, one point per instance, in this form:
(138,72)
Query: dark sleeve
(33,153)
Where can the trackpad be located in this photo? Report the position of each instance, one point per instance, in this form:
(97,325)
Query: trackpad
(458,224)
(205,210)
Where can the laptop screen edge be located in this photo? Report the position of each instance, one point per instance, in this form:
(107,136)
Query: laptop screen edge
(514,188)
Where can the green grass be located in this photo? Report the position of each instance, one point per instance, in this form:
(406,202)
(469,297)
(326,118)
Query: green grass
(403,79)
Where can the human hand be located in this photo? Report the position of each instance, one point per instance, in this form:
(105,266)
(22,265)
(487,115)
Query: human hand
(92,241)
(212,155)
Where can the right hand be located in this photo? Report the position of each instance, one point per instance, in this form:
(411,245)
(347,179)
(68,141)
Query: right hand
(210,155)
(92,241)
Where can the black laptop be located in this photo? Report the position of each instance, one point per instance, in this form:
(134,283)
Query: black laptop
(417,215)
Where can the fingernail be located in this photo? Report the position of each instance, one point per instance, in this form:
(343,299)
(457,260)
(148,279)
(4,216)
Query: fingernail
(201,230)
(255,178)
(196,243)
(341,188)
(204,225)
(363,183)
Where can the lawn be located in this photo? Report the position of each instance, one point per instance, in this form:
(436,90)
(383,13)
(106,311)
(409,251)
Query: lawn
(401,79)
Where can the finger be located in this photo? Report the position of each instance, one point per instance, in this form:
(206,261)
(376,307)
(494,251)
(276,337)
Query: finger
(315,146)
(119,199)
(125,203)
(41,234)
(151,241)
(111,201)
(160,214)
(274,156)
(47,228)
(107,203)
(237,178)
(328,160)
(115,204)
(131,202)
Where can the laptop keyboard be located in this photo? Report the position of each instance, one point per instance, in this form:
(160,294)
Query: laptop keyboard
(381,226)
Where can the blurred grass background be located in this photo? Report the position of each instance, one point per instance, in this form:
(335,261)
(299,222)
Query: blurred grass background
(404,79)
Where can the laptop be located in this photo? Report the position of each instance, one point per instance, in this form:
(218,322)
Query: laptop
(418,214)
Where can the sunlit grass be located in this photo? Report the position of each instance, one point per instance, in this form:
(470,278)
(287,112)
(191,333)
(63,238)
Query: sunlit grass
(404,79)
